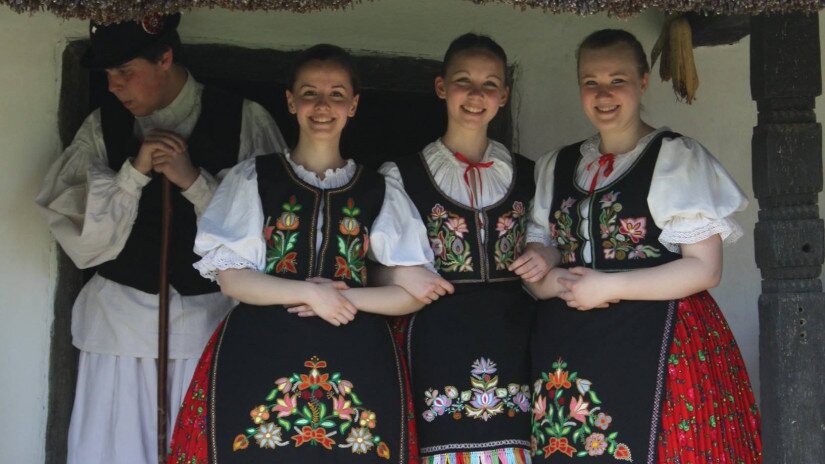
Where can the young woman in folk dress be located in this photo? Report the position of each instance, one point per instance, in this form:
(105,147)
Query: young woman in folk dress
(295,229)
(469,352)
(632,359)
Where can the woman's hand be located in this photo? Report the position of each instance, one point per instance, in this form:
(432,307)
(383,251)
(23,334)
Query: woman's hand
(535,262)
(585,289)
(423,284)
(326,301)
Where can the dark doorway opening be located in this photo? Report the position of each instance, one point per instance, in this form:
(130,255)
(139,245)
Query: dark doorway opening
(397,116)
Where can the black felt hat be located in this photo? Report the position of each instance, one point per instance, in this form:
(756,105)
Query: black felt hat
(115,44)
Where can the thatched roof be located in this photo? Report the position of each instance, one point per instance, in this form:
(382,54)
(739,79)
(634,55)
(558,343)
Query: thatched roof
(116,10)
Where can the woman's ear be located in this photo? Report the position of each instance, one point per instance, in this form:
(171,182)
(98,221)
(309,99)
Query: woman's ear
(290,102)
(645,81)
(440,89)
(354,106)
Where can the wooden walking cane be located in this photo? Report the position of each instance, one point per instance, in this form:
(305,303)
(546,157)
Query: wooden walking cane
(163,317)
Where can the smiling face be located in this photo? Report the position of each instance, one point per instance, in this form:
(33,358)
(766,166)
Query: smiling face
(141,85)
(322,99)
(611,88)
(474,88)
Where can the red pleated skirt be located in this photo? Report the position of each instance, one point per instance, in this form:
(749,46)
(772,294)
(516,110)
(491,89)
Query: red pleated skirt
(709,414)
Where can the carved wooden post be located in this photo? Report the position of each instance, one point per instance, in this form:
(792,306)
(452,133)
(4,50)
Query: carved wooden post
(787,178)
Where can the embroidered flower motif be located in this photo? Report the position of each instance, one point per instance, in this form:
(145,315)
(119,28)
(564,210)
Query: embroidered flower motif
(284,385)
(483,401)
(360,439)
(578,409)
(438,212)
(367,419)
(622,453)
(317,405)
(440,404)
(483,366)
(583,385)
(512,237)
(634,228)
(451,392)
(259,414)
(561,230)
(352,247)
(603,421)
(565,418)
(341,407)
(280,239)
(446,231)
(504,224)
(240,442)
(457,225)
(539,406)
(518,209)
(595,444)
(286,406)
(269,436)
(383,450)
(484,405)
(622,237)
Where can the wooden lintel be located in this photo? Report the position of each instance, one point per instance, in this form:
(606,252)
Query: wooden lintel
(714,29)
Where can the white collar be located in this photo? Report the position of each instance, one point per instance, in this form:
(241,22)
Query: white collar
(333,177)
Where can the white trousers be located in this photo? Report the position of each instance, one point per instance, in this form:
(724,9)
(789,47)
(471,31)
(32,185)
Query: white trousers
(114,420)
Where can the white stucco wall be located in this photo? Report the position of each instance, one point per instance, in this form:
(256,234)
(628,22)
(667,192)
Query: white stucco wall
(547,112)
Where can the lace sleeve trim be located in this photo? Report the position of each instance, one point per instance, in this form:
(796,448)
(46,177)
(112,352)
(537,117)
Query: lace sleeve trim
(220,259)
(728,229)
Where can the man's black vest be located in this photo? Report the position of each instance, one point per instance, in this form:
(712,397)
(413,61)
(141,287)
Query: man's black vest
(623,235)
(213,145)
(291,208)
(454,229)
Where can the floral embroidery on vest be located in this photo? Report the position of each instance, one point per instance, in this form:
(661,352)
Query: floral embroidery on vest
(352,248)
(511,236)
(484,400)
(281,238)
(564,411)
(621,241)
(446,232)
(316,406)
(562,232)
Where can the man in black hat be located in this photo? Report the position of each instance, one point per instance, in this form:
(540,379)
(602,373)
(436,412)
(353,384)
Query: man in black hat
(103,203)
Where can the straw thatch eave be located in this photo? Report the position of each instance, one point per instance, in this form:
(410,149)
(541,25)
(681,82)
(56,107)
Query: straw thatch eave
(118,10)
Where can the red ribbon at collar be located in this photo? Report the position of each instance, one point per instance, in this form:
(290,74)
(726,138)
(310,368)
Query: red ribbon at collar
(471,166)
(605,167)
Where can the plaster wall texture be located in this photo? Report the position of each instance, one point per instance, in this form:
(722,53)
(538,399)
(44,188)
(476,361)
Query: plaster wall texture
(546,111)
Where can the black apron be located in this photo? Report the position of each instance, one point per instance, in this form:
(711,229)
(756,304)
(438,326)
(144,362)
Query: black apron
(469,357)
(318,374)
(603,370)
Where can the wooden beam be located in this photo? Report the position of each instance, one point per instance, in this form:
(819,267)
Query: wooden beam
(789,236)
(716,29)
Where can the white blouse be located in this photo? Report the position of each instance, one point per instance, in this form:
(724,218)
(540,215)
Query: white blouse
(230,230)
(691,196)
(90,209)
(448,174)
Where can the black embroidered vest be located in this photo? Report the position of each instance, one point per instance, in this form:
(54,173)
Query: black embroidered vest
(623,235)
(291,207)
(454,230)
(213,145)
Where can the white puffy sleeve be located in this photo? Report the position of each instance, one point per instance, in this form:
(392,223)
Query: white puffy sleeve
(691,195)
(538,222)
(259,136)
(90,208)
(230,231)
(398,236)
